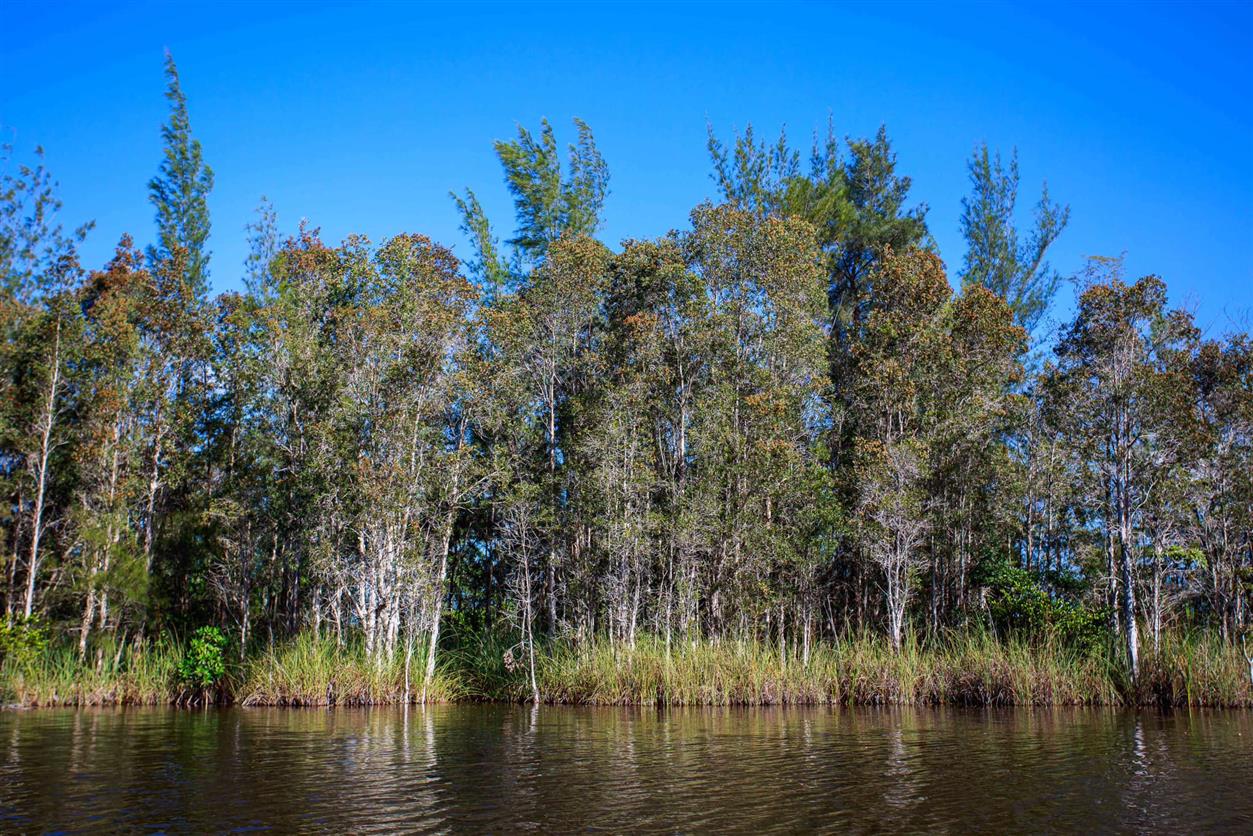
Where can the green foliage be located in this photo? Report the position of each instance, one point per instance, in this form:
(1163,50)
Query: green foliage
(548,202)
(855,203)
(1020,606)
(204,662)
(180,191)
(23,642)
(995,257)
(311,671)
(122,674)
(780,427)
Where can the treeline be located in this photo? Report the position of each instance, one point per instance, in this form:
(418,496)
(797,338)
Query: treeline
(781,424)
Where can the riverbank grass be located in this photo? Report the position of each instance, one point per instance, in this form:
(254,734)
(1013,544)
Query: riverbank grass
(973,668)
(966,670)
(310,671)
(137,674)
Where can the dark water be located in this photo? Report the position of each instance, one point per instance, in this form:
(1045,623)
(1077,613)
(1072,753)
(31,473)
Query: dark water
(507,768)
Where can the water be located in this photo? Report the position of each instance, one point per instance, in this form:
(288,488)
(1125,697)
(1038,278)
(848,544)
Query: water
(509,768)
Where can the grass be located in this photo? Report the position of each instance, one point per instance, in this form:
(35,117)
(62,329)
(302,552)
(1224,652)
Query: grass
(970,669)
(1195,669)
(141,675)
(1190,669)
(311,671)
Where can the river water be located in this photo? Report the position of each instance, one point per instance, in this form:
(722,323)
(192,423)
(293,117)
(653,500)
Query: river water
(511,768)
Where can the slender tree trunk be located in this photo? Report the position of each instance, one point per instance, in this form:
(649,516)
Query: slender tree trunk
(48,420)
(89,611)
(437,609)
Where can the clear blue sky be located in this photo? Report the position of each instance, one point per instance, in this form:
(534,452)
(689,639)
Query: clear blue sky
(362,118)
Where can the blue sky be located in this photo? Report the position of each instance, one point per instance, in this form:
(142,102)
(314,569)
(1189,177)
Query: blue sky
(362,118)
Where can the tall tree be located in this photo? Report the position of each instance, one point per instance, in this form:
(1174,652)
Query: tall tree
(855,201)
(39,279)
(1014,269)
(180,191)
(1106,361)
(116,303)
(548,202)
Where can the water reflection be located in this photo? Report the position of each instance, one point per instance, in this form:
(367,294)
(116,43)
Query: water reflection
(527,768)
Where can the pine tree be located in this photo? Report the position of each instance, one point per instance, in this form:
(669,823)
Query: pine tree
(548,203)
(1014,270)
(180,191)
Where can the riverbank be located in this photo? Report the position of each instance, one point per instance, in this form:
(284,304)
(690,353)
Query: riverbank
(963,669)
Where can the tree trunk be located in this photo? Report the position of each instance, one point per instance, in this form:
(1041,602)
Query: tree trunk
(48,419)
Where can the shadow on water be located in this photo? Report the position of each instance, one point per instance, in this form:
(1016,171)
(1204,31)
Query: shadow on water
(504,767)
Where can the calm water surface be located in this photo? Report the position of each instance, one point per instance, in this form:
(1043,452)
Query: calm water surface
(509,768)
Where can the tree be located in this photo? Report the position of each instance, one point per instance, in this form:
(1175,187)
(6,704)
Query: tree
(855,202)
(896,364)
(548,202)
(1218,482)
(995,258)
(1106,364)
(180,192)
(40,277)
(545,335)
(756,409)
(929,400)
(116,303)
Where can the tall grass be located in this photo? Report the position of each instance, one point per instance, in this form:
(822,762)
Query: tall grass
(969,668)
(1195,669)
(313,671)
(960,669)
(138,675)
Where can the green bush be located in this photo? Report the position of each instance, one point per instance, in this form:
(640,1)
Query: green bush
(204,663)
(1020,606)
(23,642)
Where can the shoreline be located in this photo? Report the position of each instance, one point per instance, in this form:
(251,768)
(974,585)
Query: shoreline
(971,670)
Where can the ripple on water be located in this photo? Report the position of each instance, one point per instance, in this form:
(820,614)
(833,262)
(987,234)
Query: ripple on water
(511,768)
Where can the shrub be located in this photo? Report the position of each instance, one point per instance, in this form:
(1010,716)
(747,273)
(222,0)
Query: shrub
(23,642)
(204,663)
(1020,606)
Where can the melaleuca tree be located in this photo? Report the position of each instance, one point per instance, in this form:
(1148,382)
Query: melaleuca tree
(47,349)
(116,302)
(614,451)
(545,335)
(39,279)
(755,412)
(655,309)
(428,303)
(897,364)
(928,407)
(1219,480)
(1106,363)
(971,491)
(1016,270)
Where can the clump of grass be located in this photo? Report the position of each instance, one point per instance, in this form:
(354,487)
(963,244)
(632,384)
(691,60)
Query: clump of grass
(141,674)
(1195,669)
(308,671)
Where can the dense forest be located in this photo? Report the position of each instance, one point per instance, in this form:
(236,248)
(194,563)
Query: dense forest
(781,423)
